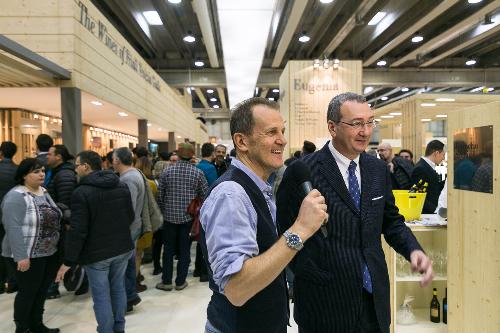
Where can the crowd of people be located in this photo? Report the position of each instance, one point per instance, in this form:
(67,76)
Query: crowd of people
(95,219)
(88,221)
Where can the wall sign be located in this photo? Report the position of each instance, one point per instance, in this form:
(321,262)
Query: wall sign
(473,159)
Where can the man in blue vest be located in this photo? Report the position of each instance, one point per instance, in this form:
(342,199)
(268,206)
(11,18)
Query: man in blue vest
(240,239)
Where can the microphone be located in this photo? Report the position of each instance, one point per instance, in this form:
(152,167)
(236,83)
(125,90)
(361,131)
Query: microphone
(299,171)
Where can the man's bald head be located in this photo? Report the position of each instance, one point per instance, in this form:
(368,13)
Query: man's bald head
(385,151)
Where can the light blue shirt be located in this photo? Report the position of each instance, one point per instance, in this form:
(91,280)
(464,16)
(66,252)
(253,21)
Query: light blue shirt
(230,224)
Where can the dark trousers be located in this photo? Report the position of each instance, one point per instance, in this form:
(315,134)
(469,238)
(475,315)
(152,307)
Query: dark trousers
(176,236)
(157,245)
(7,272)
(368,322)
(33,285)
(200,265)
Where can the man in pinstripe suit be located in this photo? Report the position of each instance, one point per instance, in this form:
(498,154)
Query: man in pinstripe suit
(341,280)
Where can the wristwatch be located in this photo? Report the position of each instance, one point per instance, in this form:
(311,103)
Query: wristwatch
(293,240)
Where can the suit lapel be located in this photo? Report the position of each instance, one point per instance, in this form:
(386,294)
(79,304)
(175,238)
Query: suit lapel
(331,172)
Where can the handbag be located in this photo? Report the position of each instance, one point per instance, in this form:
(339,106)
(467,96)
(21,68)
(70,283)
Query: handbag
(73,278)
(194,210)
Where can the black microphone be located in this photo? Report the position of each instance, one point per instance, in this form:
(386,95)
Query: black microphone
(299,171)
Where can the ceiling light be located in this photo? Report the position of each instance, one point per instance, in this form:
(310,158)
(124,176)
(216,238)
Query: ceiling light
(417,39)
(316,64)
(35,116)
(46,118)
(199,63)
(474,1)
(326,1)
(470,62)
(384,98)
(445,99)
(304,38)
(326,63)
(152,17)
(370,104)
(189,38)
(405,89)
(381,63)
(271,99)
(367,90)
(178,136)
(210,91)
(175,2)
(216,106)
(477,89)
(490,89)
(336,61)
(425,119)
(428,104)
(378,119)
(123,114)
(276,90)
(441,116)
(395,113)
(189,89)
(97,103)
(386,116)
(377,18)
(213,99)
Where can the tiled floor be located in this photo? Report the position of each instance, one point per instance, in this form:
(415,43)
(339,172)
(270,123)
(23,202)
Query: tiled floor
(159,312)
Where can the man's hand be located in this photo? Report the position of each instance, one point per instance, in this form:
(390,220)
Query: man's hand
(312,215)
(422,264)
(60,274)
(23,265)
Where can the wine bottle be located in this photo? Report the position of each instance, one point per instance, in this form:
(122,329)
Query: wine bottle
(416,187)
(435,308)
(445,306)
(423,189)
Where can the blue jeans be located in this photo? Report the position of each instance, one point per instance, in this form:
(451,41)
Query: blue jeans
(106,280)
(130,274)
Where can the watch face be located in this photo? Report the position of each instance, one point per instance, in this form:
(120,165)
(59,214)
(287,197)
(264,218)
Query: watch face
(294,240)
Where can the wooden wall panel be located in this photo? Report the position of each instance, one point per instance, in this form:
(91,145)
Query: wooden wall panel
(474,237)
(308,93)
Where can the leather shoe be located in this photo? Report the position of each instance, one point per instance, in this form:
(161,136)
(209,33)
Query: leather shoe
(203,278)
(157,271)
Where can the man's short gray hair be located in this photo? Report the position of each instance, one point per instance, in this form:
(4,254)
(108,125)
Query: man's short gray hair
(336,103)
(124,155)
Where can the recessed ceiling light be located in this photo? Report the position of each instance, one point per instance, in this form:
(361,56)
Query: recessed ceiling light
(395,113)
(386,116)
(445,99)
(276,91)
(474,1)
(470,62)
(428,104)
(271,99)
(123,114)
(36,116)
(316,64)
(370,104)
(304,38)
(490,89)
(477,89)
(149,124)
(405,89)
(189,89)
(210,91)
(417,39)
(213,99)
(216,106)
(367,90)
(377,18)
(178,136)
(381,63)
(189,38)
(441,116)
(97,103)
(326,1)
(152,17)
(425,119)
(199,63)
(384,98)
(175,2)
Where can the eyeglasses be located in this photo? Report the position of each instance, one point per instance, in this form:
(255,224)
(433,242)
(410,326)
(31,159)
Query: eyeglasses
(360,124)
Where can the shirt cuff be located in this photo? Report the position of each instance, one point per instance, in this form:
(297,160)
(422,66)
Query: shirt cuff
(232,269)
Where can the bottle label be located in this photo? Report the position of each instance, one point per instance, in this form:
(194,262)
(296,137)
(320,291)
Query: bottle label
(434,313)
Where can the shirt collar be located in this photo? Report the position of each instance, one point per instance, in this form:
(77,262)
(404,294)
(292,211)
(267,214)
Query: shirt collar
(262,185)
(432,164)
(341,159)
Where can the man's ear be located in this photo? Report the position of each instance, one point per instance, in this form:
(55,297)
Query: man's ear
(240,141)
(331,128)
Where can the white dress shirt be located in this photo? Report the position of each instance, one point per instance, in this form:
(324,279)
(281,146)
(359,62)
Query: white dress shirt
(343,164)
(432,164)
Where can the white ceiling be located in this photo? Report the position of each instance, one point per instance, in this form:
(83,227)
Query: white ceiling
(48,101)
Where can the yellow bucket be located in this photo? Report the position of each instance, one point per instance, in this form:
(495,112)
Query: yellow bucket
(410,204)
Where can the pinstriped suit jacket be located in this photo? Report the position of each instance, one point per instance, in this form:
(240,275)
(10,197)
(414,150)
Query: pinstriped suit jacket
(328,271)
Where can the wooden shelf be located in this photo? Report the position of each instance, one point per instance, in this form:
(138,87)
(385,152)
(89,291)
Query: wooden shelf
(423,325)
(418,278)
